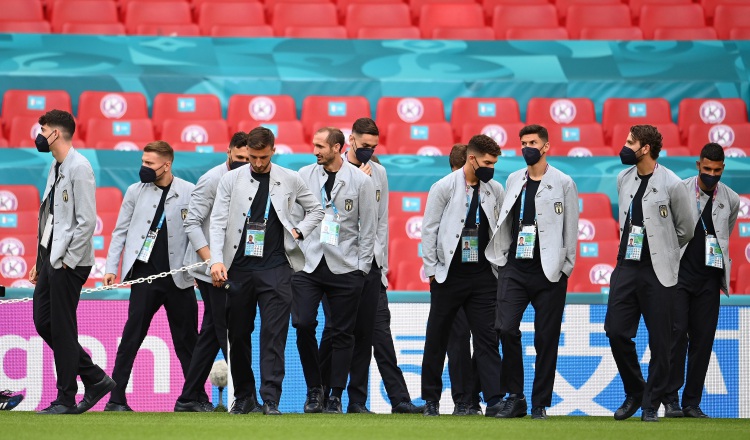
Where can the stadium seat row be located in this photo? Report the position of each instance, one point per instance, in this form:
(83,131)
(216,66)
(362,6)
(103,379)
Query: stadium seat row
(442,19)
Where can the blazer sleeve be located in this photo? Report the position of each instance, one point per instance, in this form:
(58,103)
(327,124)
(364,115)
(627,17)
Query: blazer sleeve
(313,209)
(383,221)
(368,224)
(433,212)
(120,233)
(681,205)
(734,208)
(201,202)
(220,219)
(570,226)
(84,193)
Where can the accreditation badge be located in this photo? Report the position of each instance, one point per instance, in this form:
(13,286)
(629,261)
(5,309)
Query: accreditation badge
(148,246)
(525,242)
(635,243)
(329,231)
(47,233)
(254,239)
(714,256)
(470,245)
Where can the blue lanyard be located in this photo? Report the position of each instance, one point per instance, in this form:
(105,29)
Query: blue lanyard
(268,208)
(523,197)
(161,221)
(327,202)
(468,201)
(698,203)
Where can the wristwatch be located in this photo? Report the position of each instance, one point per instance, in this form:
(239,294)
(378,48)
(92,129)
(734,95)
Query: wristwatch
(299,233)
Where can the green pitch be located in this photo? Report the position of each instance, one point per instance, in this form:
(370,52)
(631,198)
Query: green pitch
(214,426)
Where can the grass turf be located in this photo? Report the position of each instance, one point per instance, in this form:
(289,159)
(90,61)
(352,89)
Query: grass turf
(144,426)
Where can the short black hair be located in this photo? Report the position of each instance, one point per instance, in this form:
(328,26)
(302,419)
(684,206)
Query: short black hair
(260,138)
(457,158)
(648,135)
(483,144)
(535,129)
(239,139)
(365,126)
(713,151)
(335,136)
(61,120)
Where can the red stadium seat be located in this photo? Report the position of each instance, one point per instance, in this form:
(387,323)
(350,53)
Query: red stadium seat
(565,137)
(25,27)
(19,198)
(22,10)
(674,151)
(590,16)
(366,15)
(563,6)
(586,152)
(625,33)
(343,7)
(686,33)
(513,16)
(22,131)
(710,111)
(260,108)
(18,245)
(186,107)
(664,16)
(168,29)
(490,5)
(743,280)
(129,145)
(739,33)
(285,132)
(731,16)
(504,133)
(482,111)
(669,132)
(636,5)
(709,6)
(634,111)
(591,275)
(412,138)
(242,31)
(108,199)
(406,202)
(229,14)
(338,110)
(435,16)
(14,270)
(726,135)
(32,103)
(416,6)
(19,222)
(197,132)
(594,205)
(271,5)
(409,110)
(110,105)
(560,111)
(598,229)
(117,130)
(161,13)
(319,32)
(94,28)
(456,33)
(410,276)
(302,14)
(389,33)
(520,33)
(82,11)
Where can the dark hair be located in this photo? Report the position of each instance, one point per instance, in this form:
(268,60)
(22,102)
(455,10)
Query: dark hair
(713,151)
(375,159)
(61,120)
(457,157)
(260,138)
(483,144)
(535,129)
(239,139)
(648,135)
(161,148)
(335,136)
(365,126)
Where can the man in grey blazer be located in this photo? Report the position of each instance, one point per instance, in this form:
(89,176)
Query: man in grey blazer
(149,238)
(213,333)
(338,257)
(463,206)
(535,244)
(655,212)
(257,202)
(65,255)
(700,281)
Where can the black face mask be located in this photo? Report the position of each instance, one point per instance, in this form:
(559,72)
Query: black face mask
(148,175)
(484,174)
(42,143)
(363,154)
(531,155)
(709,180)
(235,164)
(628,156)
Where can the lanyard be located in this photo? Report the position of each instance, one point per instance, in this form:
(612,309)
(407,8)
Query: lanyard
(265,216)
(630,210)
(523,197)
(327,203)
(698,203)
(468,201)
(161,220)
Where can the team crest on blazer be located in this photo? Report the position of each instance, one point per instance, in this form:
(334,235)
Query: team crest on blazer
(348,204)
(663,211)
(558,208)
(184,213)
(377,195)
(65,195)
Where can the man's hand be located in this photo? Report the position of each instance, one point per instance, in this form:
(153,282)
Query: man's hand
(432,278)
(109,279)
(294,234)
(65,266)
(218,274)
(366,168)
(33,275)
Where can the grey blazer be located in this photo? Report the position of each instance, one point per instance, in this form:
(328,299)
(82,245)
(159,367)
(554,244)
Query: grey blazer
(134,221)
(444,217)
(724,216)
(75,212)
(354,196)
(556,203)
(667,215)
(234,197)
(198,221)
(380,179)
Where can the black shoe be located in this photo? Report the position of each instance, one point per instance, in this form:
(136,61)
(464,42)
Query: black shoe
(244,406)
(628,407)
(193,406)
(514,407)
(95,393)
(358,408)
(314,401)
(650,415)
(431,408)
(459,408)
(493,410)
(257,408)
(8,400)
(333,406)
(271,408)
(694,412)
(673,410)
(539,413)
(111,406)
(407,407)
(474,409)
(59,409)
